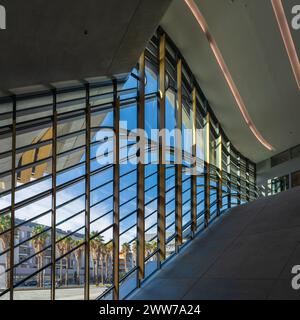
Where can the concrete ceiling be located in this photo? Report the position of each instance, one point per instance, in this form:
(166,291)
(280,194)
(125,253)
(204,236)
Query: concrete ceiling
(249,39)
(60,40)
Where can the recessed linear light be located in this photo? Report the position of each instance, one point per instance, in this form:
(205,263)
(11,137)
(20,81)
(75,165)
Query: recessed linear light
(221,62)
(287,38)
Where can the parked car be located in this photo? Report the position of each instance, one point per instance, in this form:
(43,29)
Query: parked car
(32,283)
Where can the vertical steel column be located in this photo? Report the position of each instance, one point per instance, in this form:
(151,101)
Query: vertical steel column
(178,148)
(255,181)
(141,175)
(13,197)
(219,173)
(247,181)
(207,168)
(229,174)
(53,216)
(116,197)
(194,157)
(162,145)
(88,192)
(239,179)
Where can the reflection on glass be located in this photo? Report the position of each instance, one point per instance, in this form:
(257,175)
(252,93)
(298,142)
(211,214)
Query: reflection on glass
(61,189)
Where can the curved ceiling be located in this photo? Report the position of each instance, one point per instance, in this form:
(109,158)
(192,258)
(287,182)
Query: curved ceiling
(287,36)
(247,34)
(222,64)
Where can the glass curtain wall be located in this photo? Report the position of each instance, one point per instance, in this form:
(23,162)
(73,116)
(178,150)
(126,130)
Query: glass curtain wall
(80,216)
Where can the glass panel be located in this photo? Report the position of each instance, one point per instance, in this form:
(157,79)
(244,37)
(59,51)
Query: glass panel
(4,260)
(70,272)
(128,285)
(34,181)
(151,78)
(126,259)
(101,263)
(151,265)
(37,287)
(71,100)
(280,184)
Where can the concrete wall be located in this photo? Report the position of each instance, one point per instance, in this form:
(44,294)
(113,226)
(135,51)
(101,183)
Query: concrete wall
(50,41)
(265,172)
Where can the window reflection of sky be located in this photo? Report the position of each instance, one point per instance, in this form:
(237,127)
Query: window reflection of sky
(71,201)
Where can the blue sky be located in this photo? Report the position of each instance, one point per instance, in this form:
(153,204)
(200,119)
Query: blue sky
(102,193)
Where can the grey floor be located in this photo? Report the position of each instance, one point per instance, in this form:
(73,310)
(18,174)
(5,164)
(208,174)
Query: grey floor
(247,254)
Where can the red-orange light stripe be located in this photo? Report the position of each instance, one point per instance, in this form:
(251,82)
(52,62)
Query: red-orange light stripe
(221,62)
(287,38)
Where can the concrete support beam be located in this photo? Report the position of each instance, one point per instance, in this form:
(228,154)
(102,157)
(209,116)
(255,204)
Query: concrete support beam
(52,41)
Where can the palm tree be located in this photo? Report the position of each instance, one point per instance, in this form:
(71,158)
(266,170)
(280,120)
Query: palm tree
(153,246)
(125,251)
(106,253)
(101,248)
(60,248)
(96,247)
(67,245)
(148,249)
(5,224)
(64,245)
(78,254)
(38,243)
(134,251)
(109,248)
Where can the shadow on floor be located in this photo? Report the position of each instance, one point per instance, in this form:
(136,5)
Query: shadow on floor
(246,254)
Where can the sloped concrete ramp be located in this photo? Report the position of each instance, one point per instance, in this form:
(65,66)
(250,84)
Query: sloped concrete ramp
(248,253)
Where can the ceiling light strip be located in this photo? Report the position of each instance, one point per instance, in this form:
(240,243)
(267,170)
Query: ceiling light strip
(287,38)
(221,62)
